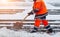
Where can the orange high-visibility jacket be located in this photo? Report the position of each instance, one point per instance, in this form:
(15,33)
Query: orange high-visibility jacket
(41,6)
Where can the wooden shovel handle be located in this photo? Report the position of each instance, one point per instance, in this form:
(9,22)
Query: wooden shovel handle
(24,18)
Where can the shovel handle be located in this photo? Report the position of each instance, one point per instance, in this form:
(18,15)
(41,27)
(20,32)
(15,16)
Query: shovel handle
(24,18)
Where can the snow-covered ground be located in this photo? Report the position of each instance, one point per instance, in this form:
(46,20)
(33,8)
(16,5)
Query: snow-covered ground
(4,32)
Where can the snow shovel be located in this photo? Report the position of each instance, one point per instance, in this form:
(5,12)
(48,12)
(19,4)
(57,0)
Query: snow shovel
(19,25)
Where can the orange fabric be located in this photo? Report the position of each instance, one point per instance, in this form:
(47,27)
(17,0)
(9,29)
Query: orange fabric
(41,6)
(45,23)
(38,22)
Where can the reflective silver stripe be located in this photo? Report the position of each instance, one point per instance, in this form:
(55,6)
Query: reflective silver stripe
(40,18)
(43,15)
(35,10)
(36,27)
(48,27)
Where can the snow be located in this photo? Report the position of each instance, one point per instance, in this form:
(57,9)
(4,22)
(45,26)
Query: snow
(4,32)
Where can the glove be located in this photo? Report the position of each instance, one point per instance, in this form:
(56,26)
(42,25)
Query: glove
(30,13)
(34,0)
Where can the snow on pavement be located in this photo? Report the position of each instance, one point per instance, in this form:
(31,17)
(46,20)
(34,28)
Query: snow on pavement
(4,32)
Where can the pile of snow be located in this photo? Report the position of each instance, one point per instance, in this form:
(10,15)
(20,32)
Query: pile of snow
(4,32)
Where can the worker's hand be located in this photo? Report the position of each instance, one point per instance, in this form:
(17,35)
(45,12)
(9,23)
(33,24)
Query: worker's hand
(34,0)
(30,13)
